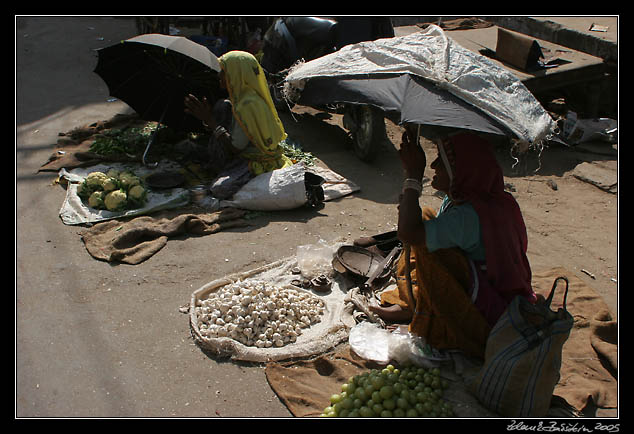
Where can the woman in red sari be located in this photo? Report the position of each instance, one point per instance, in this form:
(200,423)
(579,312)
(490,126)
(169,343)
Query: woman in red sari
(468,261)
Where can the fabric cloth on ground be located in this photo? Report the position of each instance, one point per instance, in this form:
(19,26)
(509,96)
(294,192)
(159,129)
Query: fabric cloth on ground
(588,370)
(305,387)
(136,240)
(590,356)
(73,147)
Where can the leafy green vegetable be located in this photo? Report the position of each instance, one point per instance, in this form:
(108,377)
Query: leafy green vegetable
(295,153)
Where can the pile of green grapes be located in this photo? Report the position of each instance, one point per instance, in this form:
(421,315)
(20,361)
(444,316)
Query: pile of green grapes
(392,392)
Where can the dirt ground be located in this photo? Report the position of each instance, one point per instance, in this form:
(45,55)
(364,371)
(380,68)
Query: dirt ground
(95,339)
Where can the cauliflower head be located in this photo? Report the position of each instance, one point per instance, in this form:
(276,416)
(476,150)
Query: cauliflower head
(115,200)
(96,179)
(111,184)
(129,180)
(96,200)
(137,192)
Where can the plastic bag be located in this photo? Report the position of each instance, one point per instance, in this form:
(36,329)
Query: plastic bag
(406,347)
(578,131)
(370,342)
(281,189)
(315,259)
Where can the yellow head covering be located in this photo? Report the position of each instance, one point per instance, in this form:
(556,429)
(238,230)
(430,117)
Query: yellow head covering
(254,110)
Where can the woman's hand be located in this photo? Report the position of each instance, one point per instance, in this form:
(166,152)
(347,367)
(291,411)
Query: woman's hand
(411,229)
(200,109)
(412,155)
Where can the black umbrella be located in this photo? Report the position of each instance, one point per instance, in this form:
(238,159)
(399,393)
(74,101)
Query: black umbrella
(153,73)
(425,78)
(405,98)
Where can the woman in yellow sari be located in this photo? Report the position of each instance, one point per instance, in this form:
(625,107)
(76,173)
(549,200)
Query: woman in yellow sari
(247,142)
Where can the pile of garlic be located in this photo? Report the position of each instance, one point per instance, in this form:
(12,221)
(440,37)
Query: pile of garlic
(257,313)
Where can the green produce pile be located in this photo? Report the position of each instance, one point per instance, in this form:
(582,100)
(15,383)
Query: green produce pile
(392,392)
(114,191)
(296,154)
(131,141)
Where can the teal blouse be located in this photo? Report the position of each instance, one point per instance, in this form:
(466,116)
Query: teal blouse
(456,226)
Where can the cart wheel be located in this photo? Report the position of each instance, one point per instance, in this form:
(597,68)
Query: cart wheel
(369,131)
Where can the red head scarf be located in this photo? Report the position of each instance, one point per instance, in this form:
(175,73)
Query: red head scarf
(478,179)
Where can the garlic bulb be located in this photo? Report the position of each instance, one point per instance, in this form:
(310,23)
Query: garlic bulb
(258,314)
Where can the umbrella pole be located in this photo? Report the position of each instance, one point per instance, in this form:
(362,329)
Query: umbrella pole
(408,266)
(147,148)
(408,278)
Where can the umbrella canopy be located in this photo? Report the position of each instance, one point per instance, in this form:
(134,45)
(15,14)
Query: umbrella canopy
(435,66)
(153,73)
(405,98)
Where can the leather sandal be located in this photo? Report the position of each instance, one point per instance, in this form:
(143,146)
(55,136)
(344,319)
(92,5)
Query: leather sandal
(375,239)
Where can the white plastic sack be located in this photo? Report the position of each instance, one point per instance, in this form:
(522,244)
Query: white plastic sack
(281,189)
(433,55)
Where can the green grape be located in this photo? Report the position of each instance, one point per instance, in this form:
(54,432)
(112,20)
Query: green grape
(404,391)
(399,412)
(347,403)
(366,412)
(389,404)
(377,408)
(386,392)
(402,403)
(360,393)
